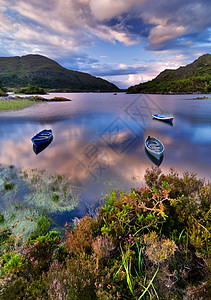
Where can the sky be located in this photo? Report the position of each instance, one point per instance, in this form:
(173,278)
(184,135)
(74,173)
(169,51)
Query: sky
(123,41)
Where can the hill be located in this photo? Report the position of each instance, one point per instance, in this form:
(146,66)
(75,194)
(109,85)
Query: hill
(39,70)
(193,78)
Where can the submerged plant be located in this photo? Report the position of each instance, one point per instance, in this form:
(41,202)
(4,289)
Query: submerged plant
(9,185)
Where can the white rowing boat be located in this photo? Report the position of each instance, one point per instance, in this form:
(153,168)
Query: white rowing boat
(154,147)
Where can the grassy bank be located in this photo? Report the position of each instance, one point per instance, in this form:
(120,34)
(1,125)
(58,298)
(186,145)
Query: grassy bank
(14,104)
(10,104)
(150,243)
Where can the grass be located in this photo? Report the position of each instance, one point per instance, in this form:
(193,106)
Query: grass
(14,104)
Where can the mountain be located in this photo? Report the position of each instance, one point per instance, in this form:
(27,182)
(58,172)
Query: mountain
(193,78)
(39,70)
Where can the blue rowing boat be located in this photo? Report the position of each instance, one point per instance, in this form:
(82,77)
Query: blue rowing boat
(43,137)
(163,118)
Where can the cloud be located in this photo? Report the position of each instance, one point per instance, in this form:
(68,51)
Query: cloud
(163,33)
(5,23)
(107,9)
(77,23)
(65,30)
(174,20)
(113,69)
(127,75)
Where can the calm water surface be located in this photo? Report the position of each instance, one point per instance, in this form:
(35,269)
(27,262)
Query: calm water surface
(99,139)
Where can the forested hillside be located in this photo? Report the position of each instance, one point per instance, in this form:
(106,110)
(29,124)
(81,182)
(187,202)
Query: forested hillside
(46,73)
(193,78)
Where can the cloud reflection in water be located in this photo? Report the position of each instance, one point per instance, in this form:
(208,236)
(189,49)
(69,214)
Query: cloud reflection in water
(97,142)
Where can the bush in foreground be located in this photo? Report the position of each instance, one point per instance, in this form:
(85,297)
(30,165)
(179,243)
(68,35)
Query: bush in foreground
(150,243)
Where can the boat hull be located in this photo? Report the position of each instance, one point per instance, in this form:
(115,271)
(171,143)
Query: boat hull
(42,138)
(39,148)
(163,118)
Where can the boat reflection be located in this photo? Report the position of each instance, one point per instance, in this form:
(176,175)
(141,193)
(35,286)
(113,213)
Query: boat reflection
(165,122)
(42,147)
(155,161)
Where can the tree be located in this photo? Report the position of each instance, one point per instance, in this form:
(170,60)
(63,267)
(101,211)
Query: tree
(2,90)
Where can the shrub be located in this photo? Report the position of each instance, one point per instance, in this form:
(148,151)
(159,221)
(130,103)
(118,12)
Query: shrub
(39,253)
(12,263)
(55,197)
(14,289)
(150,243)
(80,239)
(1,218)
(74,280)
(43,225)
(6,240)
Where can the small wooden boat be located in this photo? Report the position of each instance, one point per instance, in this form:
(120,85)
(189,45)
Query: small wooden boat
(42,137)
(154,147)
(40,148)
(163,118)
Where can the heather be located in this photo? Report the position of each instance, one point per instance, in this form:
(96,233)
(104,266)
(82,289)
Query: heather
(152,242)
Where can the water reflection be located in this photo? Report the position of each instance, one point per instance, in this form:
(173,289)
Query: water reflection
(164,122)
(98,141)
(155,161)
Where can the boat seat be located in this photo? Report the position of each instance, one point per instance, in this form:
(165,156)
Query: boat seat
(155,147)
(40,138)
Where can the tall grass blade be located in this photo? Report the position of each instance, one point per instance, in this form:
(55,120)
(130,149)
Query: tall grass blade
(150,283)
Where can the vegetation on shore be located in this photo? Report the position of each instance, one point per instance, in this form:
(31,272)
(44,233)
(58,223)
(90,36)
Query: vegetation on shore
(200,98)
(2,93)
(31,89)
(14,104)
(193,78)
(2,90)
(150,243)
(48,74)
(19,103)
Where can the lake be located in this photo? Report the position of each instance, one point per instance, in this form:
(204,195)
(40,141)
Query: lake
(98,140)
